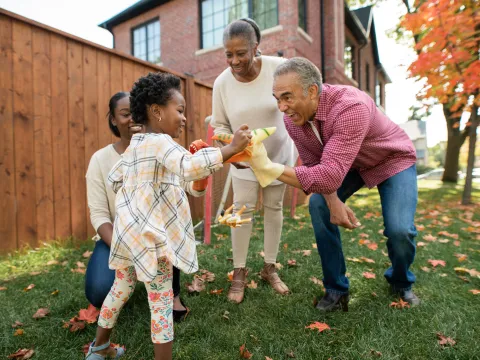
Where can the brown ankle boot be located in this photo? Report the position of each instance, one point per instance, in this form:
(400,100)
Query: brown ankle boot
(269,273)
(237,290)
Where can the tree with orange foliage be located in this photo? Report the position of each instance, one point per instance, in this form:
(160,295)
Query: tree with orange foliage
(447,39)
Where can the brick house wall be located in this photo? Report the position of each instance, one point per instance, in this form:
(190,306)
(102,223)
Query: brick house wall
(180,41)
(180,37)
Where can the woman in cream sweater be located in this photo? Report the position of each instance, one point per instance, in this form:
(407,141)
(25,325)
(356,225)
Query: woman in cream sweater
(242,94)
(101,202)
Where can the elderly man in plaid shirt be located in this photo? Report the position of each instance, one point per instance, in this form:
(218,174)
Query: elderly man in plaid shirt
(345,142)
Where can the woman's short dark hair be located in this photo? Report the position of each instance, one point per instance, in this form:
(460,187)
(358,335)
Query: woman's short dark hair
(154,88)
(246,28)
(112,104)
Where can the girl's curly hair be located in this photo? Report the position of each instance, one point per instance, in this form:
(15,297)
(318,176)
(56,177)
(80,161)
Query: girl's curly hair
(154,88)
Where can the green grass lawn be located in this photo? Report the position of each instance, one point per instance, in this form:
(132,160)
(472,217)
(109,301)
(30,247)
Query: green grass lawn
(269,324)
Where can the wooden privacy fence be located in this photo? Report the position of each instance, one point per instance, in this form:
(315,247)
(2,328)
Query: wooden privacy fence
(54,93)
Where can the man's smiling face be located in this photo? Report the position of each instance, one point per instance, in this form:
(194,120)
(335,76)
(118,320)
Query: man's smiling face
(291,100)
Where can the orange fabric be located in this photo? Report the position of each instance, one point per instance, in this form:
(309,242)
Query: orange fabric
(196,145)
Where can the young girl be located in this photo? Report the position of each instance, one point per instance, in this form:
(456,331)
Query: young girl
(153,227)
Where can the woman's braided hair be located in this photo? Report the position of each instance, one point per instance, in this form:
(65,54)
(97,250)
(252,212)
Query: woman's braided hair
(154,88)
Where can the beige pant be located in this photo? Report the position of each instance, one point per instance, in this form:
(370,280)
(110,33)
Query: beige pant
(245,193)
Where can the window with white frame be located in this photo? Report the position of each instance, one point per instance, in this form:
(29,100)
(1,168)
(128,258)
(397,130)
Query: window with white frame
(302,14)
(146,41)
(216,14)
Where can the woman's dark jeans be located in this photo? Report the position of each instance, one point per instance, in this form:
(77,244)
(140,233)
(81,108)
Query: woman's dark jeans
(99,278)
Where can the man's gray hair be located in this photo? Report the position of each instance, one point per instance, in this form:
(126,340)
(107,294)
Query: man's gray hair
(307,72)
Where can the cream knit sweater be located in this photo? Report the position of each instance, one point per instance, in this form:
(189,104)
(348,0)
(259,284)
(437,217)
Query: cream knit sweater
(236,103)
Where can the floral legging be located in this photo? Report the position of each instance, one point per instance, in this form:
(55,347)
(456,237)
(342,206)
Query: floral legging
(160,298)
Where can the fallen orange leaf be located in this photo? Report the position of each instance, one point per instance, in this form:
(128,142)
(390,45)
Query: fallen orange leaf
(221,236)
(316,281)
(216,291)
(461,257)
(426,269)
(87,254)
(18,332)
(318,326)
(197,285)
(367,260)
(262,254)
(78,270)
(363,242)
(17,324)
(55,292)
(244,353)
(278,266)
(369,275)
(22,354)
(420,227)
(252,285)
(307,252)
(208,276)
(376,353)
(446,233)
(80,265)
(429,237)
(29,287)
(400,304)
(443,241)
(34,273)
(354,260)
(445,341)
(314,246)
(285,247)
(3,288)
(52,262)
(456,243)
(74,324)
(89,314)
(435,263)
(230,275)
(474,291)
(268,358)
(462,270)
(373,246)
(41,313)
(421,243)
(292,262)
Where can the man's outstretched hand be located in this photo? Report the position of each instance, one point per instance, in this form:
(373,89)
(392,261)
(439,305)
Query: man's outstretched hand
(341,214)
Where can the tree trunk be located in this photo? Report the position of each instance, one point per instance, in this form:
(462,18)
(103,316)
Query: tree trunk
(467,190)
(456,138)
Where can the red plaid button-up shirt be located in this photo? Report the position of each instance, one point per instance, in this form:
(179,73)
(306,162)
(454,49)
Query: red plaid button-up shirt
(356,135)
